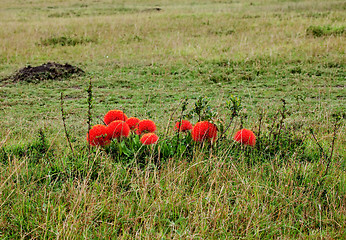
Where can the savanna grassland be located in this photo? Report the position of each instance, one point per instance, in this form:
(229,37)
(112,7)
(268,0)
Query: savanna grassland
(285,61)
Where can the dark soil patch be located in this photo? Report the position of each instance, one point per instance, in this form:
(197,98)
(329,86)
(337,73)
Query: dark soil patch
(47,71)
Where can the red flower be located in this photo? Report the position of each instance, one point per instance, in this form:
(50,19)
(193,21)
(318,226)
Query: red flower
(149,138)
(246,137)
(98,136)
(146,126)
(113,115)
(185,126)
(133,122)
(204,131)
(118,128)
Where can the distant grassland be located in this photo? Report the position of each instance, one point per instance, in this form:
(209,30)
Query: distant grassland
(183,31)
(144,57)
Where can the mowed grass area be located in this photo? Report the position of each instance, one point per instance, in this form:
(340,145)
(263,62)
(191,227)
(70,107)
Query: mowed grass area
(145,61)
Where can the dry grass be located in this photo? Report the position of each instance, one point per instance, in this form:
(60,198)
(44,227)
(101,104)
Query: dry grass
(207,197)
(179,33)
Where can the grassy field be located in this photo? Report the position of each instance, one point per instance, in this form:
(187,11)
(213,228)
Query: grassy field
(144,57)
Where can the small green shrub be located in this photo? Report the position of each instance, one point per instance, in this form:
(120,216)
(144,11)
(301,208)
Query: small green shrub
(222,32)
(66,41)
(64,14)
(320,31)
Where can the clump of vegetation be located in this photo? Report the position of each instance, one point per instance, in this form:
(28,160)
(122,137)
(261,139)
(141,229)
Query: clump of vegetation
(225,32)
(320,31)
(34,151)
(64,14)
(66,41)
(275,137)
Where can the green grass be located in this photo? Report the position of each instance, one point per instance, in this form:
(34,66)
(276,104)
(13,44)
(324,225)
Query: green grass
(145,62)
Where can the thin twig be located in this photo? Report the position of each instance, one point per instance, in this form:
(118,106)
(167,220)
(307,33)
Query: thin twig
(170,119)
(259,130)
(318,144)
(64,123)
(229,125)
(283,117)
(89,91)
(180,123)
(178,134)
(102,121)
(336,125)
(224,132)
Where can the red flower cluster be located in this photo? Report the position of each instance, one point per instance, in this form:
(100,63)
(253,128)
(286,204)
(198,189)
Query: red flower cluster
(101,135)
(113,115)
(118,129)
(184,126)
(246,137)
(133,123)
(118,126)
(149,138)
(146,126)
(204,131)
(98,136)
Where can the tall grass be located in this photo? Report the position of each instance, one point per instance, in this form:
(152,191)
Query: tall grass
(285,186)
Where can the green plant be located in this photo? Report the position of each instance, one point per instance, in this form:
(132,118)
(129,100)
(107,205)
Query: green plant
(66,41)
(202,109)
(319,31)
(234,105)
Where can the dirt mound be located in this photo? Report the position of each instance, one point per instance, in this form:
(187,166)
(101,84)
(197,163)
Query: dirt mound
(47,71)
